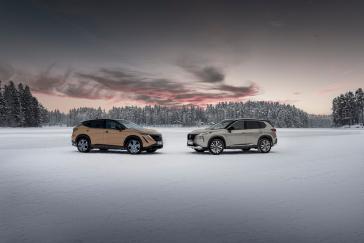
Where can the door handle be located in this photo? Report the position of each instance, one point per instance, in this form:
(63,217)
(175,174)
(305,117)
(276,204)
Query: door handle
(106,131)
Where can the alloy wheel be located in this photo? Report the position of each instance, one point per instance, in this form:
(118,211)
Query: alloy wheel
(83,145)
(216,146)
(134,146)
(264,145)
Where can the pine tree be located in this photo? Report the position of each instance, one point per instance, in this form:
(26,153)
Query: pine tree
(44,114)
(23,105)
(13,105)
(30,109)
(3,108)
(359,99)
(35,118)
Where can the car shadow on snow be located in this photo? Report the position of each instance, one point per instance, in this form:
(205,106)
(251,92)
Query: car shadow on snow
(96,151)
(231,152)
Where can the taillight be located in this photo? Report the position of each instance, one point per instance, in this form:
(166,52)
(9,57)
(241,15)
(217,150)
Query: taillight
(273,130)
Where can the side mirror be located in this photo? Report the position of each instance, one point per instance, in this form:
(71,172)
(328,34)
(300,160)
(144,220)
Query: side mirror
(230,129)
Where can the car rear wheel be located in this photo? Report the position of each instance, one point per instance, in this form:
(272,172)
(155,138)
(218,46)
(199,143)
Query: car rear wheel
(134,146)
(216,146)
(264,145)
(83,145)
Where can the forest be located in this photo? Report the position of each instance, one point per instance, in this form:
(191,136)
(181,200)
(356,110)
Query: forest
(348,108)
(19,108)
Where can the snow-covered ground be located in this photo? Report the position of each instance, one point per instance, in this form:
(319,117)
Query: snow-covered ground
(310,188)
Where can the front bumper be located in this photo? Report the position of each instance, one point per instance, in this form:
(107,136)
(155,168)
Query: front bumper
(74,143)
(196,143)
(157,145)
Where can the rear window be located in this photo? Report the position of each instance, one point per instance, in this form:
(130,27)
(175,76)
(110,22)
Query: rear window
(94,124)
(254,124)
(270,123)
(262,124)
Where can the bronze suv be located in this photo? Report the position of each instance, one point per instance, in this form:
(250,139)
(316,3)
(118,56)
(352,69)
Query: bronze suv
(107,134)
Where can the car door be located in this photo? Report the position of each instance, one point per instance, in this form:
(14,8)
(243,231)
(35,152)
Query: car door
(96,131)
(236,134)
(252,131)
(114,133)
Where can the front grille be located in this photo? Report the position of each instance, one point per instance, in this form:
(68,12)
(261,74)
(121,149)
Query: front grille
(191,136)
(157,137)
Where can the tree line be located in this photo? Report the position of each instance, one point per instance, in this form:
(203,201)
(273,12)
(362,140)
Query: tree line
(19,108)
(281,115)
(348,108)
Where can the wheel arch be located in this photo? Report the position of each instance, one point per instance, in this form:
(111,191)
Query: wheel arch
(217,136)
(266,136)
(83,136)
(130,137)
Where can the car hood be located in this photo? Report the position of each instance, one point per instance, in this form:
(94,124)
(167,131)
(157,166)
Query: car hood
(198,131)
(147,131)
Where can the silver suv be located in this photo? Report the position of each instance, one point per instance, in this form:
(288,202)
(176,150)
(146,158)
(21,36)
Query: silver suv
(234,134)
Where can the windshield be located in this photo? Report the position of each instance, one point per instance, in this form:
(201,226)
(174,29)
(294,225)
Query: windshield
(221,125)
(129,124)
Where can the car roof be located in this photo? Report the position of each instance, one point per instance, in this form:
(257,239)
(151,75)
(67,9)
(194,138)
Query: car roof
(249,119)
(243,119)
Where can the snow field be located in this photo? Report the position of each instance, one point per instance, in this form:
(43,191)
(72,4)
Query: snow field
(310,188)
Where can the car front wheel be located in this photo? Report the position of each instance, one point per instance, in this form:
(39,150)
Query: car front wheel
(216,146)
(264,145)
(83,145)
(134,146)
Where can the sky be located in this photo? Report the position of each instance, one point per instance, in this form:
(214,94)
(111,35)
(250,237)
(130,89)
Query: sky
(116,53)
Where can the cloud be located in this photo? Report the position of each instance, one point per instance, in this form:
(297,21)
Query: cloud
(206,74)
(6,71)
(125,84)
(333,87)
(48,82)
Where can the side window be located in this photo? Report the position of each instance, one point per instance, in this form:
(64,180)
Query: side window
(238,125)
(97,124)
(252,125)
(110,124)
(87,123)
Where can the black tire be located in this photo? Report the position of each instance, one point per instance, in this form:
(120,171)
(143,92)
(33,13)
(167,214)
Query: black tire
(134,146)
(246,149)
(200,150)
(151,150)
(264,145)
(216,146)
(83,145)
